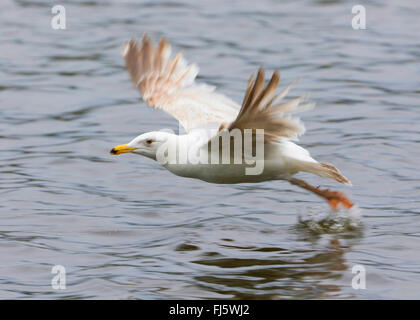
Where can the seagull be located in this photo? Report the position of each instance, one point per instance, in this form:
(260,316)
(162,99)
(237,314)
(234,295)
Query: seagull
(168,83)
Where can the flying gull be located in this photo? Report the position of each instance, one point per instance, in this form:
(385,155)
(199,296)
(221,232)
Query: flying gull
(208,117)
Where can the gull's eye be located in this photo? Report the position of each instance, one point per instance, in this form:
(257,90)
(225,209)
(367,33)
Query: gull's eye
(149,141)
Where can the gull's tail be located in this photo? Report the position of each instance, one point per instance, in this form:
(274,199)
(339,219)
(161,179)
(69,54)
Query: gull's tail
(324,169)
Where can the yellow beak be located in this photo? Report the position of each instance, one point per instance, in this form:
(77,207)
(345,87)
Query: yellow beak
(121,149)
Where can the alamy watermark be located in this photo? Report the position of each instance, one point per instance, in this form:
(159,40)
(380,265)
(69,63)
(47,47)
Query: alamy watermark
(58,282)
(59,20)
(359,20)
(235,146)
(359,280)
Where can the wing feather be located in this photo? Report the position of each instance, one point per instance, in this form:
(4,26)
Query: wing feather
(169,84)
(261,109)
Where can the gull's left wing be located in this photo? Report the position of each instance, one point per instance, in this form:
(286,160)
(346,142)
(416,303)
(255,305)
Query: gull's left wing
(168,83)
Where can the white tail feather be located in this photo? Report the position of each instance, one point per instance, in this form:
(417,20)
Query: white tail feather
(324,169)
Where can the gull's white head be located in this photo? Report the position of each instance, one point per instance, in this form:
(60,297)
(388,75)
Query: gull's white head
(145,144)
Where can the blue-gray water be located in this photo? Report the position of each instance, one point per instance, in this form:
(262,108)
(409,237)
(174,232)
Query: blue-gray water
(123,227)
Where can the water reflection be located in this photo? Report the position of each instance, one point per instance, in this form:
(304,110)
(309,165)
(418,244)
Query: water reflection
(283,273)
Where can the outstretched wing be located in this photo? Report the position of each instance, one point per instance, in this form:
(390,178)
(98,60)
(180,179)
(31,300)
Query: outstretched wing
(168,83)
(262,109)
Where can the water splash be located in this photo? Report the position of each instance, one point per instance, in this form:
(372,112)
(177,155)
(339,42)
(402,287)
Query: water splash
(321,221)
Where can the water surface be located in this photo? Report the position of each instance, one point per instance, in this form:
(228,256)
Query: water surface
(124,227)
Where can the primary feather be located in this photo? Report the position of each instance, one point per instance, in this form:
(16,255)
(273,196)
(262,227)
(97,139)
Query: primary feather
(169,84)
(261,109)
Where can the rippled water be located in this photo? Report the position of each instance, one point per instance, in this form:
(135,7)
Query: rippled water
(123,227)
